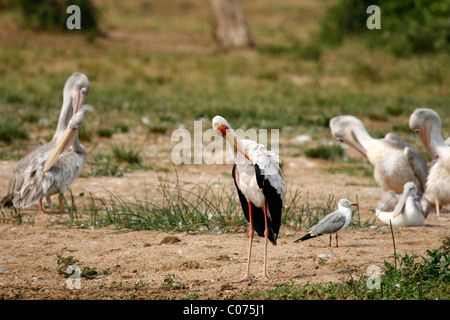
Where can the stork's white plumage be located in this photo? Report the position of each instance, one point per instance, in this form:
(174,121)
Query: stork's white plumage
(427,124)
(260,185)
(268,164)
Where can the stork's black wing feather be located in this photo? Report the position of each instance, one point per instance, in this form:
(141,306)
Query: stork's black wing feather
(273,200)
(257,214)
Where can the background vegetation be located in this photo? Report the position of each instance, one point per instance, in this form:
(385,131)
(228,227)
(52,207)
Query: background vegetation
(408,27)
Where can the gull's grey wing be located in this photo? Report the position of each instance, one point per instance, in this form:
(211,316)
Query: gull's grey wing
(331,223)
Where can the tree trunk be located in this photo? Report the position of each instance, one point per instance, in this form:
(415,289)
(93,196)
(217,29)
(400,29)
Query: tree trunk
(232,31)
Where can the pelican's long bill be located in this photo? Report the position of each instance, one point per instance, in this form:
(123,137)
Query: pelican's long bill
(78,99)
(231,137)
(348,138)
(400,205)
(64,143)
(424,135)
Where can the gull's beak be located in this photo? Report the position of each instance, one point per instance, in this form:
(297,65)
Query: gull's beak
(65,142)
(348,139)
(230,137)
(354,205)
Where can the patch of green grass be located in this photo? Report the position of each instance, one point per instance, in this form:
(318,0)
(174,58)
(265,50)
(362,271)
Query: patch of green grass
(195,208)
(198,208)
(12,130)
(170,283)
(353,168)
(427,279)
(129,155)
(327,152)
(102,165)
(64,264)
(105,132)
(297,49)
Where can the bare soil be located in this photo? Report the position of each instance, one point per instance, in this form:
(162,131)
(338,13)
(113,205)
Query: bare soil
(202,264)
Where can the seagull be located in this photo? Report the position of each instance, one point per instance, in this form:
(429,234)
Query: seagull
(260,185)
(409,210)
(332,222)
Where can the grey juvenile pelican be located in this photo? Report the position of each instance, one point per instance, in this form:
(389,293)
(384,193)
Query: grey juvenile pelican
(395,162)
(427,124)
(52,173)
(260,185)
(75,90)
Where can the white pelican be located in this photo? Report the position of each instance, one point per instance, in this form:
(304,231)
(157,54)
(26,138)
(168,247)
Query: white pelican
(409,211)
(395,161)
(53,172)
(260,185)
(427,124)
(390,199)
(75,90)
(332,222)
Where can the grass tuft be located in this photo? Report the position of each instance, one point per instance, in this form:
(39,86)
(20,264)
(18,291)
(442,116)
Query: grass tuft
(327,152)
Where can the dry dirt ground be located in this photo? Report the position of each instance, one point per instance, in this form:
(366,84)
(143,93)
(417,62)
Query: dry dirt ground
(204,264)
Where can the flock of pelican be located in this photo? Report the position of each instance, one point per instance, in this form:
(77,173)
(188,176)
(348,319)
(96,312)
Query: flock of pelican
(399,169)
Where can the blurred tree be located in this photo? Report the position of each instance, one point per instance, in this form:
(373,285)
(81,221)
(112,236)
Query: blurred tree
(231,30)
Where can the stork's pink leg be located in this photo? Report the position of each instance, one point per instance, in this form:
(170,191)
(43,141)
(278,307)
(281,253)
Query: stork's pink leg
(266,237)
(251,234)
(337,244)
(330,240)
